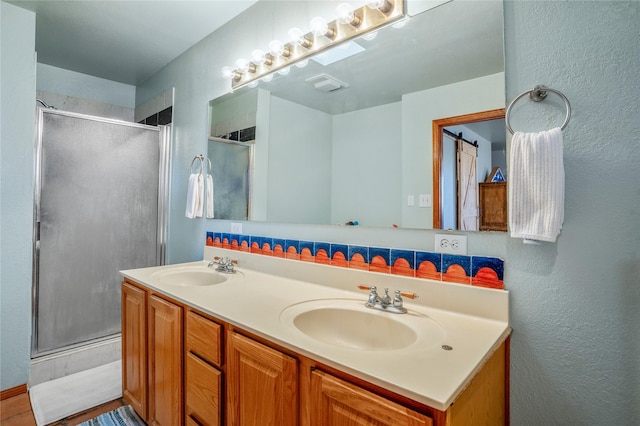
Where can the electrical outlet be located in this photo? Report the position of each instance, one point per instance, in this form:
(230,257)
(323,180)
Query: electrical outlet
(451,244)
(424,200)
(236,228)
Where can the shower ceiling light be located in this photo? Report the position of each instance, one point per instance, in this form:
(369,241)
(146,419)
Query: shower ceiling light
(351,23)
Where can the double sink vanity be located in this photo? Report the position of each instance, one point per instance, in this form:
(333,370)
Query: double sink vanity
(280,342)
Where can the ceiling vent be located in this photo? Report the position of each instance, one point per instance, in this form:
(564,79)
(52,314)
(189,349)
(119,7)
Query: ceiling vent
(326,83)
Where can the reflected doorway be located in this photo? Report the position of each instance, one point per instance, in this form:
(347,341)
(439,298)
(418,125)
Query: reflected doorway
(456,141)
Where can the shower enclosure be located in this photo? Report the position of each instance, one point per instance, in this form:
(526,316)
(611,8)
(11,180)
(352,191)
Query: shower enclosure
(100,195)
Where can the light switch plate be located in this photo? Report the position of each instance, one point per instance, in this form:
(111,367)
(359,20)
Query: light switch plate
(236,228)
(451,244)
(411,201)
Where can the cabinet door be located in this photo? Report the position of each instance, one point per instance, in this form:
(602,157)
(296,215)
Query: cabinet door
(134,348)
(165,363)
(493,206)
(339,403)
(203,392)
(262,385)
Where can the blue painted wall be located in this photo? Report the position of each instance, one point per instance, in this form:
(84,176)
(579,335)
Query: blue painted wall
(575,305)
(17,115)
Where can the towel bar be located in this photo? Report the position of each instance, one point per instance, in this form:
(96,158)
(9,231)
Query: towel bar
(537,94)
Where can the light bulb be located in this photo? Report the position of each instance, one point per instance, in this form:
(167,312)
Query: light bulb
(383,6)
(267,78)
(242,65)
(346,15)
(297,36)
(284,71)
(302,63)
(253,84)
(319,27)
(277,48)
(227,72)
(258,57)
(370,36)
(401,23)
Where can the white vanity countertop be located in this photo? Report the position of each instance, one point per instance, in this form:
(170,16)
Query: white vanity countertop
(475,320)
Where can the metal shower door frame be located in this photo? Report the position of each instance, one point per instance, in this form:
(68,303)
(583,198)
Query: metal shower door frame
(164,181)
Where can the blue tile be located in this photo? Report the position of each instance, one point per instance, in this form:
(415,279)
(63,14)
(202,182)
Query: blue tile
(478,262)
(306,245)
(425,256)
(322,246)
(255,239)
(361,250)
(384,253)
(281,242)
(339,248)
(292,243)
(453,259)
(266,240)
(408,255)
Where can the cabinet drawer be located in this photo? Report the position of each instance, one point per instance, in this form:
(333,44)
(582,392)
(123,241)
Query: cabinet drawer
(203,391)
(204,338)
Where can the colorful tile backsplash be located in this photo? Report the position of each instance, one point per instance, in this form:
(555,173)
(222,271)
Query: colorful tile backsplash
(479,271)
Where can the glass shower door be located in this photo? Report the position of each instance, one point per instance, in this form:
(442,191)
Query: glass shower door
(97,208)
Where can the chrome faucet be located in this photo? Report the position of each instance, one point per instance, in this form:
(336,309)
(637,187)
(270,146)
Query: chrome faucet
(385,302)
(225,265)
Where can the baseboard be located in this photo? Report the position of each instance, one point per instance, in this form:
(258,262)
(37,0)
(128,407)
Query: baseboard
(14,391)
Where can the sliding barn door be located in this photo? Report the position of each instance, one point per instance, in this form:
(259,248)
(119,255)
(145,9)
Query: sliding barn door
(467,187)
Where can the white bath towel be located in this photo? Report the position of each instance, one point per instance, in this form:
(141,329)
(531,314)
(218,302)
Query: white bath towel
(209,197)
(195,193)
(200,203)
(536,185)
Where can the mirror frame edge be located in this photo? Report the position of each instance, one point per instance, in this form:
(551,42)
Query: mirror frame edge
(437,126)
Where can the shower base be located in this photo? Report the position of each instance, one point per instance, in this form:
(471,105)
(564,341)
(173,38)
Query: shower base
(87,356)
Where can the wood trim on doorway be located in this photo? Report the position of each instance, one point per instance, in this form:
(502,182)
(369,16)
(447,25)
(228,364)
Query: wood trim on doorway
(437,127)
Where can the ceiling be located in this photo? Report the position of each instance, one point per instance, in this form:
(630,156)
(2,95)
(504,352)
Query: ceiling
(123,40)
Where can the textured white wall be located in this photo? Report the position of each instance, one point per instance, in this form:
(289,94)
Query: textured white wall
(575,305)
(17,117)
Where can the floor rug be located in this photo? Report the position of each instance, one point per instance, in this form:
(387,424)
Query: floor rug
(122,416)
(60,398)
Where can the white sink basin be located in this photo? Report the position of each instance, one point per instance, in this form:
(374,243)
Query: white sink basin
(190,276)
(348,324)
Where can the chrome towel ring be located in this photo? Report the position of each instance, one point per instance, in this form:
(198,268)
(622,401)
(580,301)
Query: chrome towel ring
(537,94)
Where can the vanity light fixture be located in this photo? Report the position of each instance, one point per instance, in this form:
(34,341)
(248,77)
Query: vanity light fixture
(298,37)
(319,27)
(350,24)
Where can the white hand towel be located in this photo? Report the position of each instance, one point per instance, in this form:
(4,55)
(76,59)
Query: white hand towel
(192,196)
(209,196)
(200,203)
(536,185)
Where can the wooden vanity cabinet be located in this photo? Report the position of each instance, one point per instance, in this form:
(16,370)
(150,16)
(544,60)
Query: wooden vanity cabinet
(172,382)
(340,403)
(165,362)
(262,384)
(134,348)
(203,376)
(493,206)
(152,356)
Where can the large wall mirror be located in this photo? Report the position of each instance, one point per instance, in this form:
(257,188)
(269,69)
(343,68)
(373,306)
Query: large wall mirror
(349,138)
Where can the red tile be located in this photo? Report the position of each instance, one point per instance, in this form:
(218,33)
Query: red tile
(402,267)
(378,264)
(428,270)
(456,274)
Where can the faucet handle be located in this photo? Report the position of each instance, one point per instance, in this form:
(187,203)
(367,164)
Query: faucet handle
(408,295)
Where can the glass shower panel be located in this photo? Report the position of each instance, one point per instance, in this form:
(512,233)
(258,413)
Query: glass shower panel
(97,186)
(231,165)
